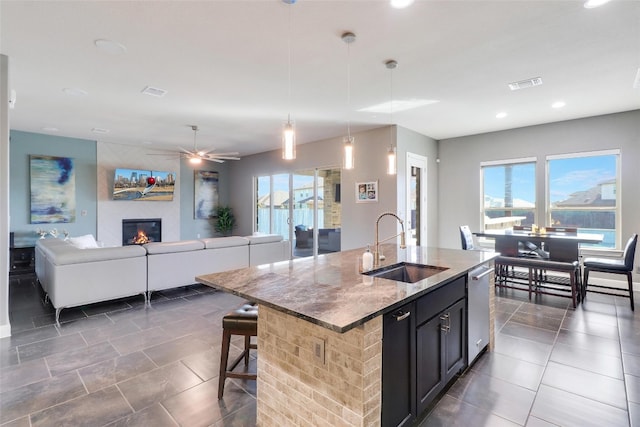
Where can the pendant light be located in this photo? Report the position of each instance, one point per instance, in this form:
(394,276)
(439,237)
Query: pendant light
(348,140)
(289,132)
(391,154)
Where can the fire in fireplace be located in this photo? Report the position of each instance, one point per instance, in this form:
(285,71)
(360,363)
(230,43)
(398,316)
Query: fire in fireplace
(141,231)
(140,239)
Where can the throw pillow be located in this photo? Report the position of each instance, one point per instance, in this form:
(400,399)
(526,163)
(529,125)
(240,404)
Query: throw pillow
(84,242)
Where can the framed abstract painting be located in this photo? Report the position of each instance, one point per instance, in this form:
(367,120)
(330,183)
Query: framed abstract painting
(53,189)
(205,197)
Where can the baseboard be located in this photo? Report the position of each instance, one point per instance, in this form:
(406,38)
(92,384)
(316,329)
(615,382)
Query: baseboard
(5,330)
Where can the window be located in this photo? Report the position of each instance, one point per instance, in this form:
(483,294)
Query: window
(582,192)
(509,193)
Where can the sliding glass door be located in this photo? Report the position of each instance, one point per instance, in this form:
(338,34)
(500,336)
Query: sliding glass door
(303,207)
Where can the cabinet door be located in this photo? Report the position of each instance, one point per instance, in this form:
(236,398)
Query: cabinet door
(455,340)
(398,369)
(429,359)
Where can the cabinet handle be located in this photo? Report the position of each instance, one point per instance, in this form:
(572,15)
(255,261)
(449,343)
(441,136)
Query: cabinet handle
(400,317)
(447,325)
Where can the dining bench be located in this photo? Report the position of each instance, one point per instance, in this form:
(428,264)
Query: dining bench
(536,279)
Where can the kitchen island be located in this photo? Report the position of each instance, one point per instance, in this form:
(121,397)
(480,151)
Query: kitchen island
(320,330)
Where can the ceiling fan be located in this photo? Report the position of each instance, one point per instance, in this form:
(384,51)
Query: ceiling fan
(197,156)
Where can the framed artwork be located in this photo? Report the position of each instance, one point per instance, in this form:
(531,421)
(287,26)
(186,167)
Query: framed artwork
(53,189)
(144,185)
(205,198)
(366,192)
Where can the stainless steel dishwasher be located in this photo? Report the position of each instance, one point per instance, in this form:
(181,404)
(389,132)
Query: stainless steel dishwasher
(478,310)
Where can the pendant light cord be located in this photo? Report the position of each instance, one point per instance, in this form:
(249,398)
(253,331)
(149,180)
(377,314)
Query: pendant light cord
(289,63)
(391,65)
(349,90)
(391,89)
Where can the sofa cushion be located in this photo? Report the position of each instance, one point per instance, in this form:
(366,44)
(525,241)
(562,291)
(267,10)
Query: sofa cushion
(224,242)
(264,238)
(84,242)
(169,247)
(72,255)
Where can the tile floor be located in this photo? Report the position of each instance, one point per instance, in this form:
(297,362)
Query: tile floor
(118,364)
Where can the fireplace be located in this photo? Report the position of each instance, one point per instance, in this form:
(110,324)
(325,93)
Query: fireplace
(141,231)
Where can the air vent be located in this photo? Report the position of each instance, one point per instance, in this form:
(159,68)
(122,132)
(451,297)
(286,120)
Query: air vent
(154,91)
(523,84)
(636,83)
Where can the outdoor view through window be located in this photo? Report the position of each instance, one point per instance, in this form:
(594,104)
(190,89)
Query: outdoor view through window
(582,192)
(509,195)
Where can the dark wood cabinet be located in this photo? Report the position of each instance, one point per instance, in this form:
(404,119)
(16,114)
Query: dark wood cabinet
(22,260)
(455,339)
(440,352)
(398,378)
(429,367)
(422,352)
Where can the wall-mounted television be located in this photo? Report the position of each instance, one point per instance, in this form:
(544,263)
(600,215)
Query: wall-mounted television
(141,184)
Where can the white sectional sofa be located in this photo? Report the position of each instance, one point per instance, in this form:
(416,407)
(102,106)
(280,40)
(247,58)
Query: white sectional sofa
(71,276)
(267,248)
(173,264)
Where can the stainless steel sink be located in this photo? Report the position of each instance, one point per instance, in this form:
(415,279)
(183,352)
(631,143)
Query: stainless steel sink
(406,272)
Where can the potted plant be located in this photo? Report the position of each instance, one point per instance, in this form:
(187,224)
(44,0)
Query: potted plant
(225,220)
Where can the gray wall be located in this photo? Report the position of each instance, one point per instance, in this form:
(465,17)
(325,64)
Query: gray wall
(413,142)
(459,178)
(358,219)
(83,153)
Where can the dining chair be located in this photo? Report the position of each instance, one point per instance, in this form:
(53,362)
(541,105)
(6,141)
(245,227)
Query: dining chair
(622,265)
(466,238)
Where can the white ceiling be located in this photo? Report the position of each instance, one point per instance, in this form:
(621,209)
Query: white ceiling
(224,65)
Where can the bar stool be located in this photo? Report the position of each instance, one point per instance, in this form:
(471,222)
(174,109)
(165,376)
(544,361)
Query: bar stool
(242,321)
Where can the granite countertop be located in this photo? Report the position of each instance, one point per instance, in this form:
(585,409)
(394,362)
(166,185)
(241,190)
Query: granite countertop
(329,290)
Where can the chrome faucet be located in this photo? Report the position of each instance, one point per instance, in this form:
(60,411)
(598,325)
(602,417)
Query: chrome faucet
(376,254)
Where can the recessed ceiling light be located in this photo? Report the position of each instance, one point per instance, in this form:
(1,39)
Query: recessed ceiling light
(558,104)
(99,130)
(501,115)
(109,46)
(397,105)
(74,91)
(50,129)
(154,91)
(590,4)
(401,4)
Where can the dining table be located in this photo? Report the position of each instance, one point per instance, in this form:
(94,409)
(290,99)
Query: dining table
(561,246)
